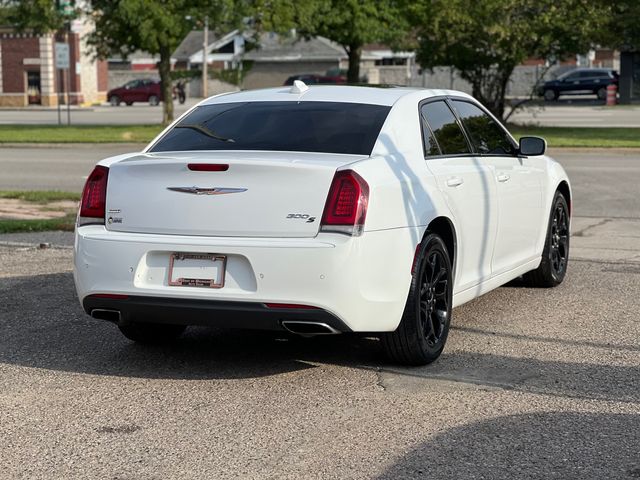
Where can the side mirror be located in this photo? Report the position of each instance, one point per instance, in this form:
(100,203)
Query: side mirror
(532,146)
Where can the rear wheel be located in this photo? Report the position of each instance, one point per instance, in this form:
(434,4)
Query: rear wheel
(151,333)
(114,100)
(129,104)
(154,100)
(550,95)
(602,93)
(555,256)
(423,330)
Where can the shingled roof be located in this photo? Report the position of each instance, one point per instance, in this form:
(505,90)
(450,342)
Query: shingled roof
(273,47)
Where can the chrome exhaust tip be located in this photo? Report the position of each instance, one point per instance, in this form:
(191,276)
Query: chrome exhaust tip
(308,329)
(106,314)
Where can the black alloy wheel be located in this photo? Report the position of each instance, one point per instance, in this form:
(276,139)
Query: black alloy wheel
(555,256)
(559,238)
(434,298)
(424,327)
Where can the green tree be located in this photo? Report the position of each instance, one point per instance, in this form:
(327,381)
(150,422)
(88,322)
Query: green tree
(157,27)
(350,23)
(40,16)
(623,24)
(485,40)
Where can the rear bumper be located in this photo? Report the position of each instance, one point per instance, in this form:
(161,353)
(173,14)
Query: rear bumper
(356,284)
(217,313)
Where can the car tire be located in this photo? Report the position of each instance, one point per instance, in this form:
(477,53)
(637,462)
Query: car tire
(424,327)
(151,333)
(154,100)
(555,255)
(114,100)
(129,104)
(602,93)
(550,95)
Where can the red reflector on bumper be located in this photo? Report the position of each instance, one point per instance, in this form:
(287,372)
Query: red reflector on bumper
(112,296)
(290,305)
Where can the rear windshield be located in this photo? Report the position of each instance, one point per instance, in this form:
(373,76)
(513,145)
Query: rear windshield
(350,128)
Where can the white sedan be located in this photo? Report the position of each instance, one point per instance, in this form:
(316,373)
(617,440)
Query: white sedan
(320,210)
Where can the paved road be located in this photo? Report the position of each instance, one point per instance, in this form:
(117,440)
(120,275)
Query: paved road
(533,384)
(138,113)
(564,114)
(53,168)
(568,112)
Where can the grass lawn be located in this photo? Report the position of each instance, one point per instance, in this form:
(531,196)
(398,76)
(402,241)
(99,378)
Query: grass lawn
(66,223)
(37,196)
(78,133)
(607,137)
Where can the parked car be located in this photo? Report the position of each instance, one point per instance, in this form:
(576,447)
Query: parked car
(580,81)
(313,79)
(320,210)
(144,90)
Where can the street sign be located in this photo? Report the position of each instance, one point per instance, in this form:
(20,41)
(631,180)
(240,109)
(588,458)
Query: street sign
(62,55)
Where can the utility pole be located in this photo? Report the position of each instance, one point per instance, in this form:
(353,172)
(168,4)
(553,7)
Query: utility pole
(205,45)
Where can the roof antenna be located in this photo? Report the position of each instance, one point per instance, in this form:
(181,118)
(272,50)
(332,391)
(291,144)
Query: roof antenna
(298,87)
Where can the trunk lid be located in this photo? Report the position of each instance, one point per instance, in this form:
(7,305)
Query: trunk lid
(261,194)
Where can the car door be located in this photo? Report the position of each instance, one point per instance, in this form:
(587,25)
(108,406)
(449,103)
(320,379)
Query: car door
(468,187)
(570,83)
(518,182)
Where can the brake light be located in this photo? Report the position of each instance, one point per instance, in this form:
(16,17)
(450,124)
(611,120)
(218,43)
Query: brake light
(208,167)
(94,197)
(346,207)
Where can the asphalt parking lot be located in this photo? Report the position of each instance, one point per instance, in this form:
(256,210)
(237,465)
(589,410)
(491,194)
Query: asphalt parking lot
(533,383)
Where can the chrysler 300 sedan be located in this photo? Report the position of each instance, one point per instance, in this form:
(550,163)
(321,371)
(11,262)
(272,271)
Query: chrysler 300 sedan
(320,210)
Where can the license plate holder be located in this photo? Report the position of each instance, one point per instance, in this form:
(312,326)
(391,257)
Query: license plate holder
(204,270)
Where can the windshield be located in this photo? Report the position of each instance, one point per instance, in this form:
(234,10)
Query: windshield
(330,127)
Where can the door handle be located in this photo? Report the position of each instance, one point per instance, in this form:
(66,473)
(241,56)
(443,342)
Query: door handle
(454,181)
(503,177)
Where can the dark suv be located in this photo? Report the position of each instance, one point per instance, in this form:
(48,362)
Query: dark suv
(145,90)
(580,81)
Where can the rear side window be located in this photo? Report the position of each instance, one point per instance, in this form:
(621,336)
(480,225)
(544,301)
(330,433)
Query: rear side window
(330,127)
(445,128)
(485,134)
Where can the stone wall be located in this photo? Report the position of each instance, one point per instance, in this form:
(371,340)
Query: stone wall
(214,87)
(274,74)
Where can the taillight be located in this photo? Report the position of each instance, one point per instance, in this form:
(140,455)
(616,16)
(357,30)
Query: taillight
(94,197)
(346,206)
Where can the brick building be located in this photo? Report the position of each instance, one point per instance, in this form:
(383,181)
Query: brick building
(28,73)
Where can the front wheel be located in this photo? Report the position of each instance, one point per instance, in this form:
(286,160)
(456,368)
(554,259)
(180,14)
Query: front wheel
(423,330)
(550,95)
(602,93)
(114,100)
(151,333)
(555,256)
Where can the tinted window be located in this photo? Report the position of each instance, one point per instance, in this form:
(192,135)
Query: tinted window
(278,126)
(572,76)
(485,134)
(430,145)
(445,128)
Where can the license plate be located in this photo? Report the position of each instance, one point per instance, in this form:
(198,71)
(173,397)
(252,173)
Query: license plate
(197,270)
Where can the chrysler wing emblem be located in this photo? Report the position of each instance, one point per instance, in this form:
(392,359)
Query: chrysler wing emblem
(206,190)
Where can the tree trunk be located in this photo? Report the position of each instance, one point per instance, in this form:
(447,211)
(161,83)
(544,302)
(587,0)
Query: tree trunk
(164,68)
(353,73)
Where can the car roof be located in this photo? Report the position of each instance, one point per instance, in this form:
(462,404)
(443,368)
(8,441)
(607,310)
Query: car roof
(374,95)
